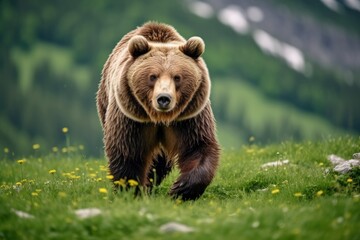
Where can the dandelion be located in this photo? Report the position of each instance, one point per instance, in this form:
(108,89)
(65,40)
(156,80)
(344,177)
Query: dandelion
(250,150)
(52,171)
(37,190)
(99,179)
(103,168)
(275,191)
(120,182)
(18,184)
(21,161)
(349,180)
(6,150)
(92,175)
(55,149)
(321,164)
(36,146)
(64,150)
(62,194)
(110,177)
(298,194)
(81,147)
(64,129)
(133,183)
(319,193)
(103,190)
(34,194)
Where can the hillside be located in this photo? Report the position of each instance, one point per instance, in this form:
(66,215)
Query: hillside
(303,87)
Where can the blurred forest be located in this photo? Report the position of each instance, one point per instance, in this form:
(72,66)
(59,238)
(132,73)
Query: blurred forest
(280,69)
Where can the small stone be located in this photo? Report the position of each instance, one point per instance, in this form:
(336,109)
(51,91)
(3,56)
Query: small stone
(22,214)
(175,227)
(87,212)
(275,164)
(343,166)
(346,166)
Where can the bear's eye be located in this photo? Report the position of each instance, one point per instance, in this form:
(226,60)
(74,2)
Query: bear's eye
(177,78)
(152,77)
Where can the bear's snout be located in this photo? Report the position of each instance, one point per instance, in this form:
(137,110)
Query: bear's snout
(164,95)
(163,101)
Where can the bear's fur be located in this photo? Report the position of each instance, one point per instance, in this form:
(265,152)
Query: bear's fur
(154,107)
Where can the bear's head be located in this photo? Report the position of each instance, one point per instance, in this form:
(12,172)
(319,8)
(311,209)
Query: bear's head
(164,82)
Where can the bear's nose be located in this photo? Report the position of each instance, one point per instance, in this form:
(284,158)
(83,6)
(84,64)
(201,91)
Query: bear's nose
(163,100)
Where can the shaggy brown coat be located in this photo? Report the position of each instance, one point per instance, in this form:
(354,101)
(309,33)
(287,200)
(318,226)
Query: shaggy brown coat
(143,143)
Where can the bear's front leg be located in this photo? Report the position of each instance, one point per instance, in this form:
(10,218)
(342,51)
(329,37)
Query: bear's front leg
(197,169)
(198,154)
(127,147)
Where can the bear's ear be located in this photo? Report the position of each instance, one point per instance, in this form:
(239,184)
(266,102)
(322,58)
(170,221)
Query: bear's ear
(138,45)
(194,47)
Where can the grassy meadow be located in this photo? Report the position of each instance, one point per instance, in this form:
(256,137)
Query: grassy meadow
(304,199)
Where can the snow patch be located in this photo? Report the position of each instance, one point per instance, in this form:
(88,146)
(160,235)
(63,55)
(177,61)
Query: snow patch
(234,17)
(354,4)
(255,14)
(201,9)
(331,4)
(270,45)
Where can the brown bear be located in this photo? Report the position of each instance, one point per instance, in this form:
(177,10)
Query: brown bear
(154,107)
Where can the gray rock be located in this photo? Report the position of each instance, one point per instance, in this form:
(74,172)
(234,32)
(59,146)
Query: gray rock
(175,227)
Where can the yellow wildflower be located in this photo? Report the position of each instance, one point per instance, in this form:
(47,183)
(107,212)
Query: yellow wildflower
(298,194)
(64,150)
(120,182)
(93,175)
(103,190)
(349,180)
(81,147)
(6,150)
(319,193)
(133,183)
(36,146)
(110,177)
(52,171)
(250,150)
(21,161)
(62,194)
(34,194)
(37,190)
(55,149)
(275,191)
(65,129)
(321,164)
(18,184)
(103,168)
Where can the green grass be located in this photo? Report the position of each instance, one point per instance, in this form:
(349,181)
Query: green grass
(295,201)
